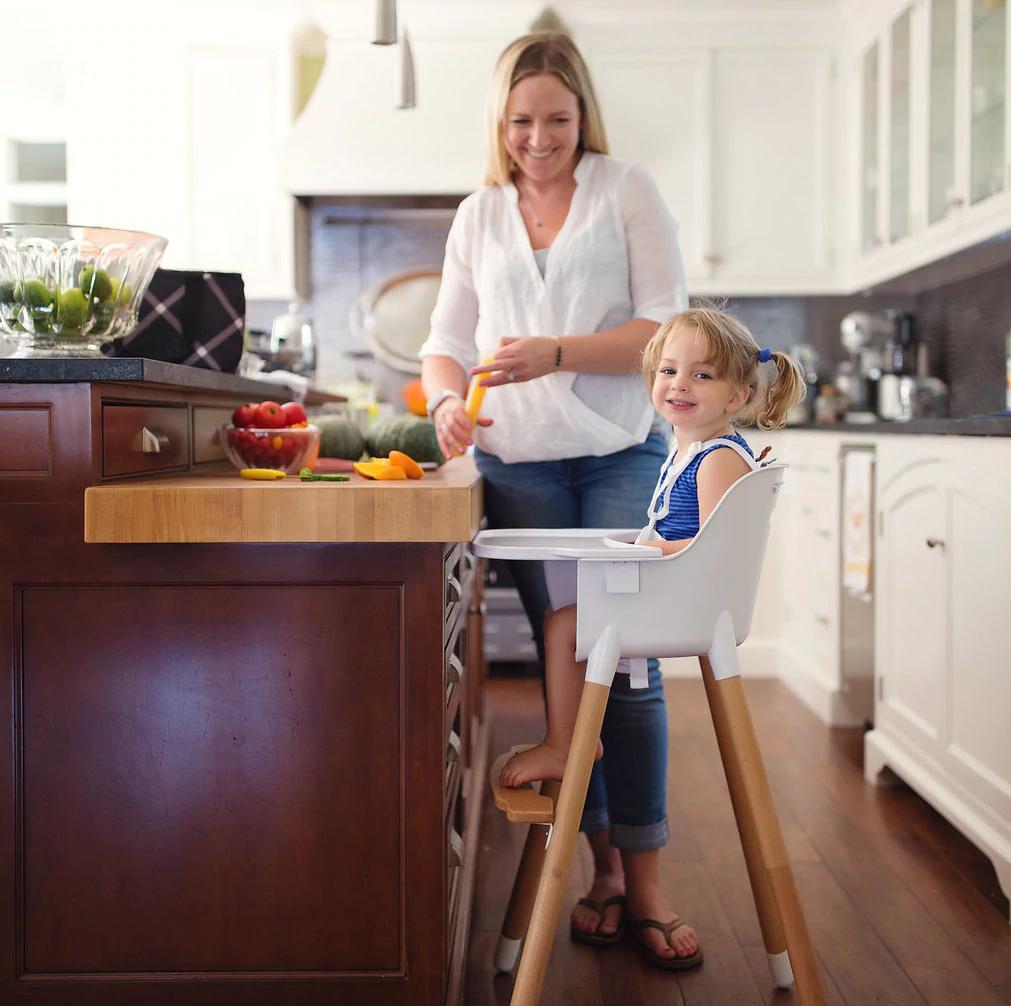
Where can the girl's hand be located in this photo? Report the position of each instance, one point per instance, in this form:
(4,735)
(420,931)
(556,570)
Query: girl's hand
(453,428)
(519,360)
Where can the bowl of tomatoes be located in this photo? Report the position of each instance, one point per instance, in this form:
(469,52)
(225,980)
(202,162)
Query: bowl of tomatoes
(269,435)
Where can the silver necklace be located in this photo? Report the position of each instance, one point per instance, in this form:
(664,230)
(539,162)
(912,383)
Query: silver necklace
(533,213)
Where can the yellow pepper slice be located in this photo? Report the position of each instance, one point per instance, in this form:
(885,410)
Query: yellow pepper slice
(263,474)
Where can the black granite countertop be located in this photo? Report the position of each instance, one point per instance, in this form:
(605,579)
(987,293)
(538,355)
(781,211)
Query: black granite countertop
(970,426)
(82,370)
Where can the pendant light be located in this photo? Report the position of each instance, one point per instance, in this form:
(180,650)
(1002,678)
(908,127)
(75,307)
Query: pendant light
(386,23)
(406,73)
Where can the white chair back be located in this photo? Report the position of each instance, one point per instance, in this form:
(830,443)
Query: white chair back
(674,611)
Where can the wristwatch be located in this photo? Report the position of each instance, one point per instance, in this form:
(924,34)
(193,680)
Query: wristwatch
(437,399)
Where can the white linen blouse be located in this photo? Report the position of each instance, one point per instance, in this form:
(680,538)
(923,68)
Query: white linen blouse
(615,258)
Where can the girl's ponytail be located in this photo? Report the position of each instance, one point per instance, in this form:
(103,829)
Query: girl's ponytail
(785,390)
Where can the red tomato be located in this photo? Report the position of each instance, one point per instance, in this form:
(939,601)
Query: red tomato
(269,416)
(293,413)
(245,415)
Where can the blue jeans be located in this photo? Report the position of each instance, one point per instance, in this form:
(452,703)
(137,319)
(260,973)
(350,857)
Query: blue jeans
(628,787)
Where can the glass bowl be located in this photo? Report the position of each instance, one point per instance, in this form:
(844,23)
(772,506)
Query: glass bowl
(64,290)
(285,450)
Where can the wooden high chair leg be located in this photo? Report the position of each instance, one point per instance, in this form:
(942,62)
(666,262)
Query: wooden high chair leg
(779,910)
(600,669)
(521,900)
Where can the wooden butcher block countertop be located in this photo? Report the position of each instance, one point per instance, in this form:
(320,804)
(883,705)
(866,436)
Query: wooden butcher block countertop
(219,506)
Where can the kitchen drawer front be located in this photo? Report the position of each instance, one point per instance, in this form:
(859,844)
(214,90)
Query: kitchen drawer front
(454,664)
(137,439)
(453,592)
(207,419)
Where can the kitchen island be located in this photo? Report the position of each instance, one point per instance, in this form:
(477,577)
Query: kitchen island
(239,762)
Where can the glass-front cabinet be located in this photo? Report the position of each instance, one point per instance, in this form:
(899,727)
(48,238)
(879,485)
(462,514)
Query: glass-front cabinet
(988,99)
(942,196)
(934,162)
(898,127)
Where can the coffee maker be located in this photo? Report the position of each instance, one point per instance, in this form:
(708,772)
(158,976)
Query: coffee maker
(881,347)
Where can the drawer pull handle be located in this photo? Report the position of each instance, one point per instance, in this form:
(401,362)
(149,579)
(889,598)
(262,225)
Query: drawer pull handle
(151,440)
(935,543)
(453,748)
(454,670)
(455,849)
(453,582)
(823,619)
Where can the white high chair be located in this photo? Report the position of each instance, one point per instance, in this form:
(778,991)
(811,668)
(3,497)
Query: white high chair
(634,602)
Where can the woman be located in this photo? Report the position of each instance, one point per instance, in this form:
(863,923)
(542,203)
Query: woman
(556,274)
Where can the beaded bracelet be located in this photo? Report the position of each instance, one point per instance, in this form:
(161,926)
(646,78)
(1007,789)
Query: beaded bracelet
(558,352)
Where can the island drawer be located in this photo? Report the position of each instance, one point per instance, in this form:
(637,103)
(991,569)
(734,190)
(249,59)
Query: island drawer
(207,419)
(137,439)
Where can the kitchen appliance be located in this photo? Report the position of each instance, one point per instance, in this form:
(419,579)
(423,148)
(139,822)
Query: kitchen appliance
(921,398)
(856,604)
(292,343)
(879,343)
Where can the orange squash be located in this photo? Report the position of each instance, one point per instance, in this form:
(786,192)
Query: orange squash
(414,397)
(411,467)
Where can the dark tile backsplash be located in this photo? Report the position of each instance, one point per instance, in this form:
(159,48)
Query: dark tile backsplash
(964,322)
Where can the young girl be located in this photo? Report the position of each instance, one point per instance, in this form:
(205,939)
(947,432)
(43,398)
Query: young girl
(706,373)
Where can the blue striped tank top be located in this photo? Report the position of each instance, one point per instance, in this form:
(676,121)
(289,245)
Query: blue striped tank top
(683,519)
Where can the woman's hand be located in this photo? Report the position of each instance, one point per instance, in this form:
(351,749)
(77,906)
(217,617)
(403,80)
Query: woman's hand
(453,428)
(519,360)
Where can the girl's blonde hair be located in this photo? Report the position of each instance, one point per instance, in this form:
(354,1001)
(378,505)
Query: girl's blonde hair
(540,52)
(733,354)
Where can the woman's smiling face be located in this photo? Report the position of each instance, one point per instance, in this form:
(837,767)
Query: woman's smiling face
(541,126)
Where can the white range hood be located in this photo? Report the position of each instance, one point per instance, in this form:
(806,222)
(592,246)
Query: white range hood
(352,140)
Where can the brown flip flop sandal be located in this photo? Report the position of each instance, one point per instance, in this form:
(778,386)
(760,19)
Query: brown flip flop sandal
(666,963)
(600,908)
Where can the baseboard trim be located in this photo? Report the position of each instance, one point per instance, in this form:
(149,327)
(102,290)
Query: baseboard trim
(823,698)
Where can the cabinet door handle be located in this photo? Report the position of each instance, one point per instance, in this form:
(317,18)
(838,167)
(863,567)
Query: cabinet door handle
(454,583)
(151,440)
(453,747)
(935,543)
(454,850)
(454,670)
(712,259)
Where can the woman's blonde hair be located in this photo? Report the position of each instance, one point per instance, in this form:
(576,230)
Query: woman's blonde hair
(540,52)
(734,356)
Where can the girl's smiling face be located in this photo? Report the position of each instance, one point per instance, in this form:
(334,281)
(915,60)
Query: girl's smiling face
(541,126)
(687,391)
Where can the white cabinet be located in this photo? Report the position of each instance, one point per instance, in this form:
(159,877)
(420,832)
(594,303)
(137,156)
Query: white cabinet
(182,139)
(739,141)
(943,655)
(929,122)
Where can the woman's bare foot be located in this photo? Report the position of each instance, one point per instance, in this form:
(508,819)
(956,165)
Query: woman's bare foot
(648,902)
(542,761)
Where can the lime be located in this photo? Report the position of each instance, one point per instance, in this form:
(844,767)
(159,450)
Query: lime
(104,314)
(121,294)
(37,294)
(72,309)
(95,282)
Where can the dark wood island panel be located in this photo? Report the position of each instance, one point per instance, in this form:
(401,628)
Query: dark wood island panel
(234,773)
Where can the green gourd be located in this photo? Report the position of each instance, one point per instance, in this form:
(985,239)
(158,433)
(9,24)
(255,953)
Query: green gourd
(339,438)
(411,434)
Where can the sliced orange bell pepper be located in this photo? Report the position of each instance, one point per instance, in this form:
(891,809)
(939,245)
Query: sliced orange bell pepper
(411,467)
(379,469)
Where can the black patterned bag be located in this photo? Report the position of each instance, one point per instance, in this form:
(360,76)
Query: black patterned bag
(195,318)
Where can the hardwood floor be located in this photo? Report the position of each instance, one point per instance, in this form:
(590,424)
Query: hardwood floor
(901,908)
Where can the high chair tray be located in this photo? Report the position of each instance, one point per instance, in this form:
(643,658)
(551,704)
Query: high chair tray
(562,543)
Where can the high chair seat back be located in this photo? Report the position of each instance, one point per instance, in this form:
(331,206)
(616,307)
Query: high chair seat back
(670,606)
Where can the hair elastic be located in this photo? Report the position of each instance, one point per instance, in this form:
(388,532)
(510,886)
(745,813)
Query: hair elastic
(765,355)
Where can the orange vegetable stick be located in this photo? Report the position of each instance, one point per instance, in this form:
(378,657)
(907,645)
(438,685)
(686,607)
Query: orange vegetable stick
(475,394)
